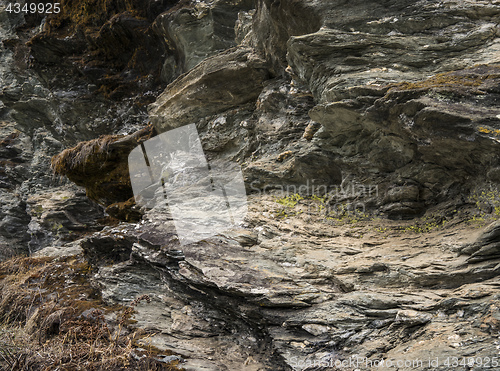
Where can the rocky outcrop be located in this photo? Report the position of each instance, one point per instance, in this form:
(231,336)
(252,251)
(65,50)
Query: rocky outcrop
(197,31)
(486,247)
(368,137)
(304,291)
(101,165)
(443,126)
(276,22)
(15,157)
(60,216)
(111,43)
(231,79)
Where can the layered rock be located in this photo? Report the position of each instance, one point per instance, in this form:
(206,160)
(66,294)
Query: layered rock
(305,290)
(227,80)
(313,99)
(60,216)
(196,32)
(485,247)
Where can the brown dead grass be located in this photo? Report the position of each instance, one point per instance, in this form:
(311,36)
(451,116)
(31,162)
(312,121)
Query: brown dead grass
(471,78)
(52,318)
(101,165)
(82,156)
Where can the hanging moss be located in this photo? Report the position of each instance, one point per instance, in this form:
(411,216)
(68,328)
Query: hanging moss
(101,165)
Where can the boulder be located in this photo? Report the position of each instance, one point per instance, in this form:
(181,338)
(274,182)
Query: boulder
(228,80)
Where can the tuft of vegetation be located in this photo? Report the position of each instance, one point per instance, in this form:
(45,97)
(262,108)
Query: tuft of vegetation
(52,318)
(101,165)
(471,78)
(487,203)
(343,213)
(486,209)
(83,155)
(290,201)
(426,224)
(288,204)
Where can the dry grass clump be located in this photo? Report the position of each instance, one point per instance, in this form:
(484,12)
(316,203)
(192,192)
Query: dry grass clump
(101,165)
(52,318)
(471,78)
(83,157)
(102,170)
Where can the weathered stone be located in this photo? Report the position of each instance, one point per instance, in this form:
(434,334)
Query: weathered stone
(296,168)
(59,216)
(406,94)
(230,79)
(274,23)
(51,50)
(196,32)
(15,158)
(494,175)
(486,247)
(403,210)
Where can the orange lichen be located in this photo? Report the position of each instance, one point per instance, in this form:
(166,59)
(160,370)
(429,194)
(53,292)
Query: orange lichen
(485,130)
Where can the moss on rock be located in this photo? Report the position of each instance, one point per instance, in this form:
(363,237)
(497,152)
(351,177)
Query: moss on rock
(101,165)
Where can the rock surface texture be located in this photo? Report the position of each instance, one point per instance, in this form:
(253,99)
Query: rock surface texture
(368,133)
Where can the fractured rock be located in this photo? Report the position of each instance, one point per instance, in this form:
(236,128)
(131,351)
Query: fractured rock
(225,81)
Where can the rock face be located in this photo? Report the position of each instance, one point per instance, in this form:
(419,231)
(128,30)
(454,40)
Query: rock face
(368,134)
(486,247)
(196,32)
(232,78)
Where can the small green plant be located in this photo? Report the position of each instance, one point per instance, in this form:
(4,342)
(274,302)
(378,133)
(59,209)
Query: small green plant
(38,210)
(487,203)
(288,204)
(426,224)
(320,202)
(290,201)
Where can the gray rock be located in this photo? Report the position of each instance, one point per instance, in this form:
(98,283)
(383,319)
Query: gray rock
(60,252)
(60,215)
(197,32)
(403,193)
(406,94)
(168,359)
(486,246)
(231,78)
(15,158)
